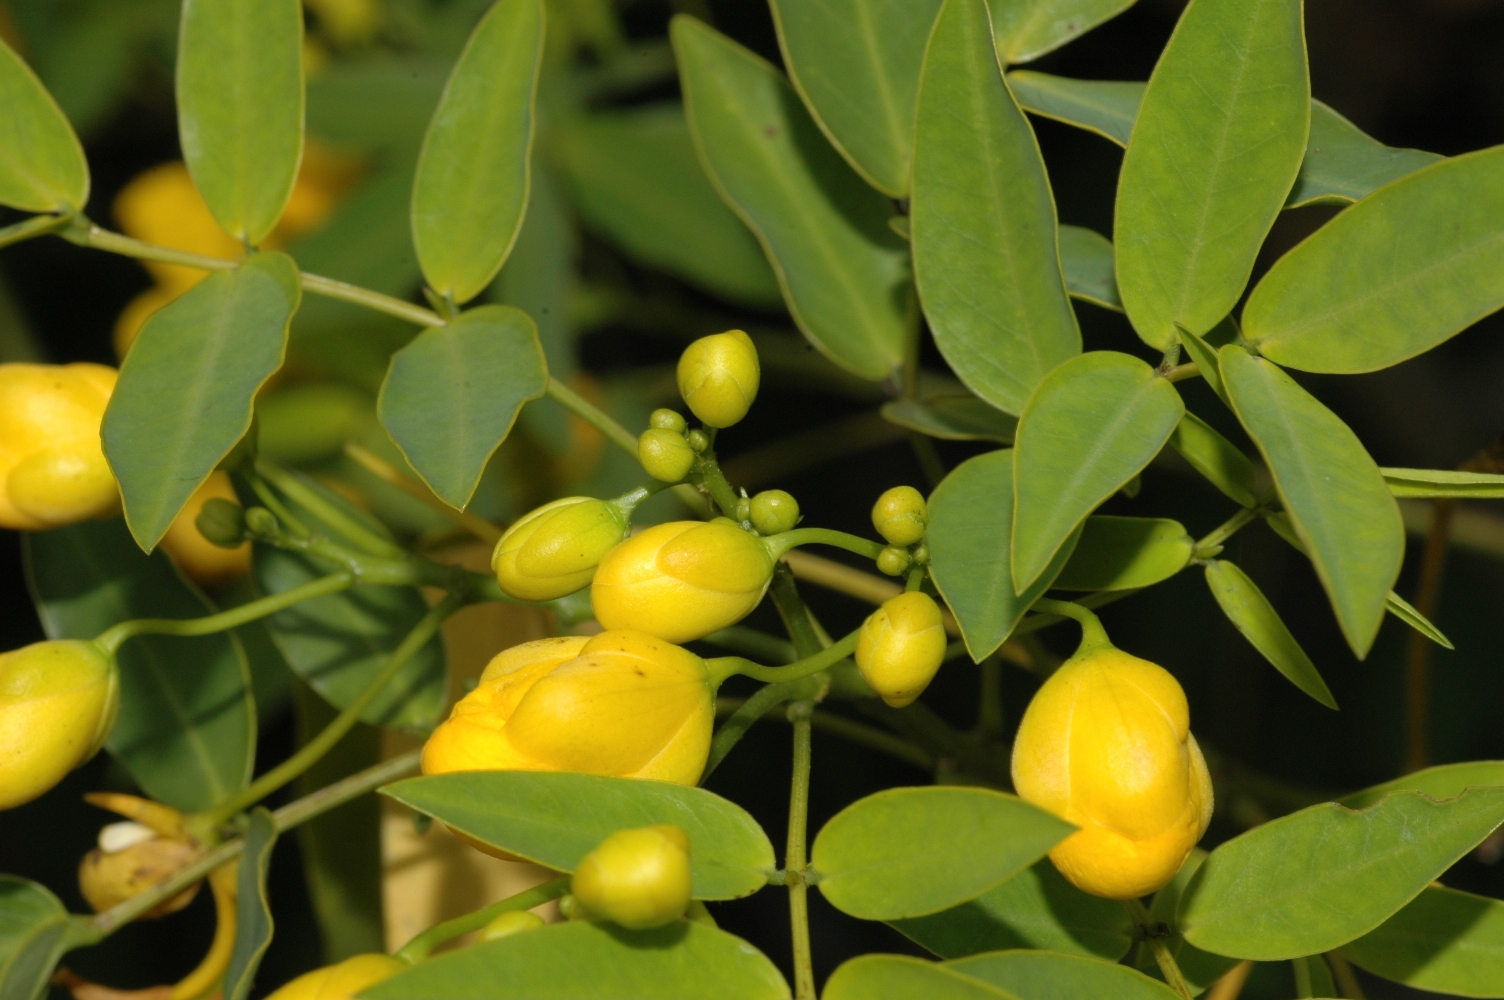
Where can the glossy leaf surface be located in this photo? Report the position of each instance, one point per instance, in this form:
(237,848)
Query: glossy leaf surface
(1215,149)
(1094,423)
(907,852)
(556,818)
(1445,781)
(253,912)
(1444,483)
(985,242)
(42,166)
(1027,29)
(898,977)
(1444,941)
(1086,259)
(33,931)
(844,273)
(1251,614)
(1216,458)
(1126,553)
(240,108)
(471,187)
(1046,975)
(952,418)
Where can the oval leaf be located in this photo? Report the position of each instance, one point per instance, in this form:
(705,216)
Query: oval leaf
(1444,483)
(472,181)
(842,270)
(986,255)
(1444,940)
(1334,493)
(898,977)
(164,430)
(1216,458)
(1445,781)
(856,64)
(1215,149)
(33,932)
(1344,164)
(1086,258)
(907,852)
(253,914)
(1028,29)
(240,108)
(451,396)
(1252,614)
(1093,424)
(1126,553)
(1316,879)
(556,818)
(1045,975)
(42,166)
(952,418)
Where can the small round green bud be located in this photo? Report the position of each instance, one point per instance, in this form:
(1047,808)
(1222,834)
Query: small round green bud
(636,878)
(774,511)
(261,522)
(698,440)
(718,377)
(668,420)
(222,522)
(900,515)
(513,922)
(921,555)
(893,561)
(571,909)
(665,454)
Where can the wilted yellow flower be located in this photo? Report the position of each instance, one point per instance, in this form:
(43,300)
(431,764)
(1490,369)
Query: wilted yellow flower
(52,466)
(901,646)
(58,701)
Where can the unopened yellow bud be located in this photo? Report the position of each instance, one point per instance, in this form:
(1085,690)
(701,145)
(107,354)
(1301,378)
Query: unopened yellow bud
(554,550)
(512,922)
(52,466)
(682,580)
(718,377)
(772,511)
(901,646)
(1106,744)
(900,515)
(665,455)
(894,561)
(207,563)
(341,981)
(636,878)
(58,701)
(668,420)
(110,877)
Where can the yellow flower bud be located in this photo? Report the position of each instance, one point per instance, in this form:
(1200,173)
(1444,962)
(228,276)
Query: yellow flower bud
(718,377)
(57,703)
(618,703)
(107,878)
(772,511)
(900,515)
(900,647)
(341,981)
(52,463)
(681,580)
(205,563)
(553,551)
(664,454)
(1106,744)
(894,561)
(636,878)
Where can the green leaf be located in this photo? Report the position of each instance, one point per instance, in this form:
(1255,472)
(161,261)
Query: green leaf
(907,852)
(1037,908)
(1203,351)
(42,166)
(1445,781)
(1215,149)
(33,934)
(1444,941)
(1319,878)
(253,913)
(187,724)
(636,179)
(240,108)
(187,388)
(1312,977)
(471,186)
(1199,968)
(1126,553)
(589,959)
(1047,975)
(969,536)
(1344,164)
(843,272)
(1407,613)
(452,395)
(1027,30)
(856,64)
(1444,483)
(985,241)
(557,817)
(952,418)
(1093,424)
(1252,614)
(1222,463)
(1106,107)
(1334,493)
(898,977)
(1354,298)
(1086,259)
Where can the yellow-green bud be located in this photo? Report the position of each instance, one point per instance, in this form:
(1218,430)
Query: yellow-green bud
(553,551)
(698,440)
(900,515)
(773,511)
(664,454)
(893,561)
(636,878)
(512,922)
(58,701)
(261,522)
(341,981)
(668,420)
(718,377)
(222,523)
(743,510)
(921,555)
(900,647)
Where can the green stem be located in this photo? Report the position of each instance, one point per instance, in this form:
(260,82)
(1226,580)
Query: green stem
(1153,934)
(331,289)
(287,520)
(592,415)
(1208,546)
(1093,635)
(796,619)
(783,541)
(751,642)
(734,728)
(419,947)
(795,861)
(1102,598)
(333,517)
(37,225)
(708,471)
(722,667)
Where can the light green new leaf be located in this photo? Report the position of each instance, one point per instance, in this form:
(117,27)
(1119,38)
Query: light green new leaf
(1444,941)
(1047,975)
(898,977)
(1037,908)
(1252,614)
(452,395)
(1216,458)
(985,236)
(34,933)
(856,64)
(1027,29)
(471,186)
(1086,259)
(1092,425)
(1106,107)
(253,911)
(1357,296)
(969,537)
(1344,163)
(240,108)
(1126,553)
(187,724)
(557,817)
(907,852)
(1444,483)
(1215,149)
(587,959)
(843,272)
(1316,879)
(1334,493)
(42,166)
(187,387)
(952,418)
(1445,781)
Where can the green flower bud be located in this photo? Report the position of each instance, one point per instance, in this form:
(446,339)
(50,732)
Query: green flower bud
(514,922)
(718,377)
(743,510)
(261,522)
(893,561)
(637,878)
(921,555)
(222,522)
(58,701)
(698,440)
(664,454)
(553,551)
(668,420)
(773,511)
(900,515)
(901,646)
